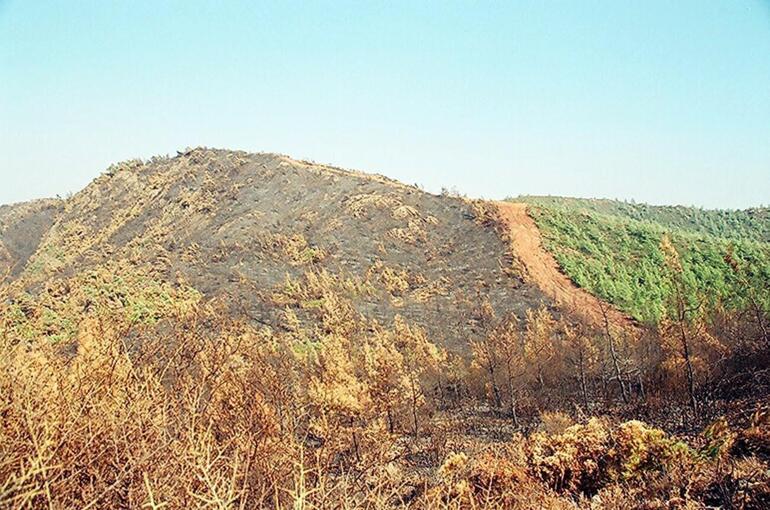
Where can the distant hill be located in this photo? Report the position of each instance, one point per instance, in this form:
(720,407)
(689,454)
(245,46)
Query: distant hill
(750,224)
(612,249)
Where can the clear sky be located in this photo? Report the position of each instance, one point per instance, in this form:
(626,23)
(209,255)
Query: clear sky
(658,101)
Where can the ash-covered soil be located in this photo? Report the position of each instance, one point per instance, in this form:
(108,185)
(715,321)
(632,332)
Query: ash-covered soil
(22,227)
(266,233)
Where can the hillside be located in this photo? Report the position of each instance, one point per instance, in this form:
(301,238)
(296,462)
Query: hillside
(265,233)
(22,226)
(542,269)
(749,224)
(229,330)
(612,249)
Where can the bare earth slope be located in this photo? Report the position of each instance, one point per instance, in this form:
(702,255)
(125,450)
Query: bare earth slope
(266,233)
(543,270)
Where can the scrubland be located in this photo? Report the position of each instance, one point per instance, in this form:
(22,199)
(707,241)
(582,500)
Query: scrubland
(162,400)
(234,331)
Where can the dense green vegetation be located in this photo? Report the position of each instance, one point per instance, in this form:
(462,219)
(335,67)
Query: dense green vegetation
(612,249)
(749,224)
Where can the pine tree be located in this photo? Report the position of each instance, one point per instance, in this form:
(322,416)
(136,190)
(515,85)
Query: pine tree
(680,313)
(386,374)
(421,359)
(340,396)
(582,354)
(539,349)
(507,339)
(486,354)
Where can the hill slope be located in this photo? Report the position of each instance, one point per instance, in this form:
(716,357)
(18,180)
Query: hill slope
(543,270)
(266,233)
(22,227)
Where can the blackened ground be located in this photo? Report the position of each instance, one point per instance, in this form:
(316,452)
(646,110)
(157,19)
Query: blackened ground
(22,227)
(238,226)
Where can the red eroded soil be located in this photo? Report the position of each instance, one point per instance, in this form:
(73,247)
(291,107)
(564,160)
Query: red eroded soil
(543,270)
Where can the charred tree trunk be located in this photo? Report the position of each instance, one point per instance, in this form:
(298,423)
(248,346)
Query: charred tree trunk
(414,407)
(583,388)
(495,390)
(512,399)
(689,372)
(614,354)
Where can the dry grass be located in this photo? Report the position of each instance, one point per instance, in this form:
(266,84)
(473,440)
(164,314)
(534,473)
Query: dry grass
(293,248)
(195,410)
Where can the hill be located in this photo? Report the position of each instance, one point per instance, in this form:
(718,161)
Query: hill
(749,224)
(543,270)
(265,233)
(612,249)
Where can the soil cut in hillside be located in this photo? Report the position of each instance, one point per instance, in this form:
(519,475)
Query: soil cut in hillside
(543,270)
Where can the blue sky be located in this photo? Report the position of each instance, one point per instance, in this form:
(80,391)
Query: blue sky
(657,101)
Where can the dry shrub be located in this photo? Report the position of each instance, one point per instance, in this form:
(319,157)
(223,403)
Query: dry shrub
(426,292)
(118,422)
(359,206)
(294,248)
(742,483)
(125,393)
(189,410)
(412,233)
(405,211)
(555,422)
(490,481)
(414,223)
(485,213)
(574,460)
(202,412)
(588,457)
(719,439)
(755,439)
(310,290)
(395,281)
(615,497)
(641,451)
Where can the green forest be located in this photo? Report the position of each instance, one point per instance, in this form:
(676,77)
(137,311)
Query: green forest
(613,249)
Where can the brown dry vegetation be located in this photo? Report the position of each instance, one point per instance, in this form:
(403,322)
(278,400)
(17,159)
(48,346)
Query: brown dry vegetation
(181,406)
(150,360)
